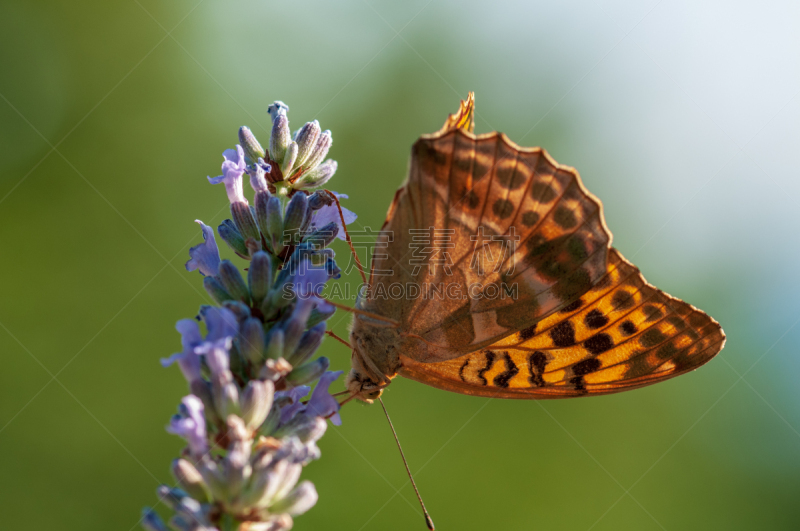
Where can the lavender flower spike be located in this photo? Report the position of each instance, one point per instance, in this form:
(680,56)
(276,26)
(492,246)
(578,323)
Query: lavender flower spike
(191,425)
(205,256)
(249,359)
(232,170)
(321,403)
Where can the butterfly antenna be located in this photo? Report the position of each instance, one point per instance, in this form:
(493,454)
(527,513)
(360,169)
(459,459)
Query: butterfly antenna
(347,236)
(428,521)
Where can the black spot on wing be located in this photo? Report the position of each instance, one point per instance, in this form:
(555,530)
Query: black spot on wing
(622,300)
(652,337)
(543,192)
(563,334)
(595,319)
(502,208)
(565,217)
(627,328)
(530,218)
(502,379)
(599,343)
(527,333)
(508,177)
(652,312)
(586,366)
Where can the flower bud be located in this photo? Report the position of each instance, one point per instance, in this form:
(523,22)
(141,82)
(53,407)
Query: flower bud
(243,219)
(291,477)
(202,390)
(318,176)
(289,159)
(265,483)
(275,344)
(273,419)
(216,290)
(309,343)
(259,277)
(294,326)
(306,140)
(252,149)
(296,213)
(151,521)
(307,428)
(280,138)
(236,464)
(256,402)
(239,309)
(233,282)
(213,479)
(308,372)
(251,343)
(274,225)
(226,397)
(319,199)
(299,500)
(189,479)
(230,234)
(312,429)
(320,151)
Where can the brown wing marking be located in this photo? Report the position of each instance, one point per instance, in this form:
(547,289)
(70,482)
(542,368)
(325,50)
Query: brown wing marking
(622,334)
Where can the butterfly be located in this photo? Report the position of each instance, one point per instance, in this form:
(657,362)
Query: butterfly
(494,276)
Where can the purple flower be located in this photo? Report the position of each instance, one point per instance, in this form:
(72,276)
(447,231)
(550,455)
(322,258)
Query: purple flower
(222,327)
(221,323)
(308,283)
(187,360)
(330,214)
(217,355)
(290,410)
(205,256)
(321,403)
(191,425)
(257,172)
(232,170)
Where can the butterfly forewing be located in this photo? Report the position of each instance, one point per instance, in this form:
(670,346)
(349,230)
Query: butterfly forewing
(621,334)
(510,235)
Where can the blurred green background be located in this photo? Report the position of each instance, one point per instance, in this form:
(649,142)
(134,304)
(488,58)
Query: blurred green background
(681,116)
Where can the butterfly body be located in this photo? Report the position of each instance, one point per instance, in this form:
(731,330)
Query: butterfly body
(497,272)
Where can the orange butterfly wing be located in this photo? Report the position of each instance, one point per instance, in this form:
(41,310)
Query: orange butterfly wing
(622,334)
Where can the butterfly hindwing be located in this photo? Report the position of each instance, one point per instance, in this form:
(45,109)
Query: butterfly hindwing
(621,334)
